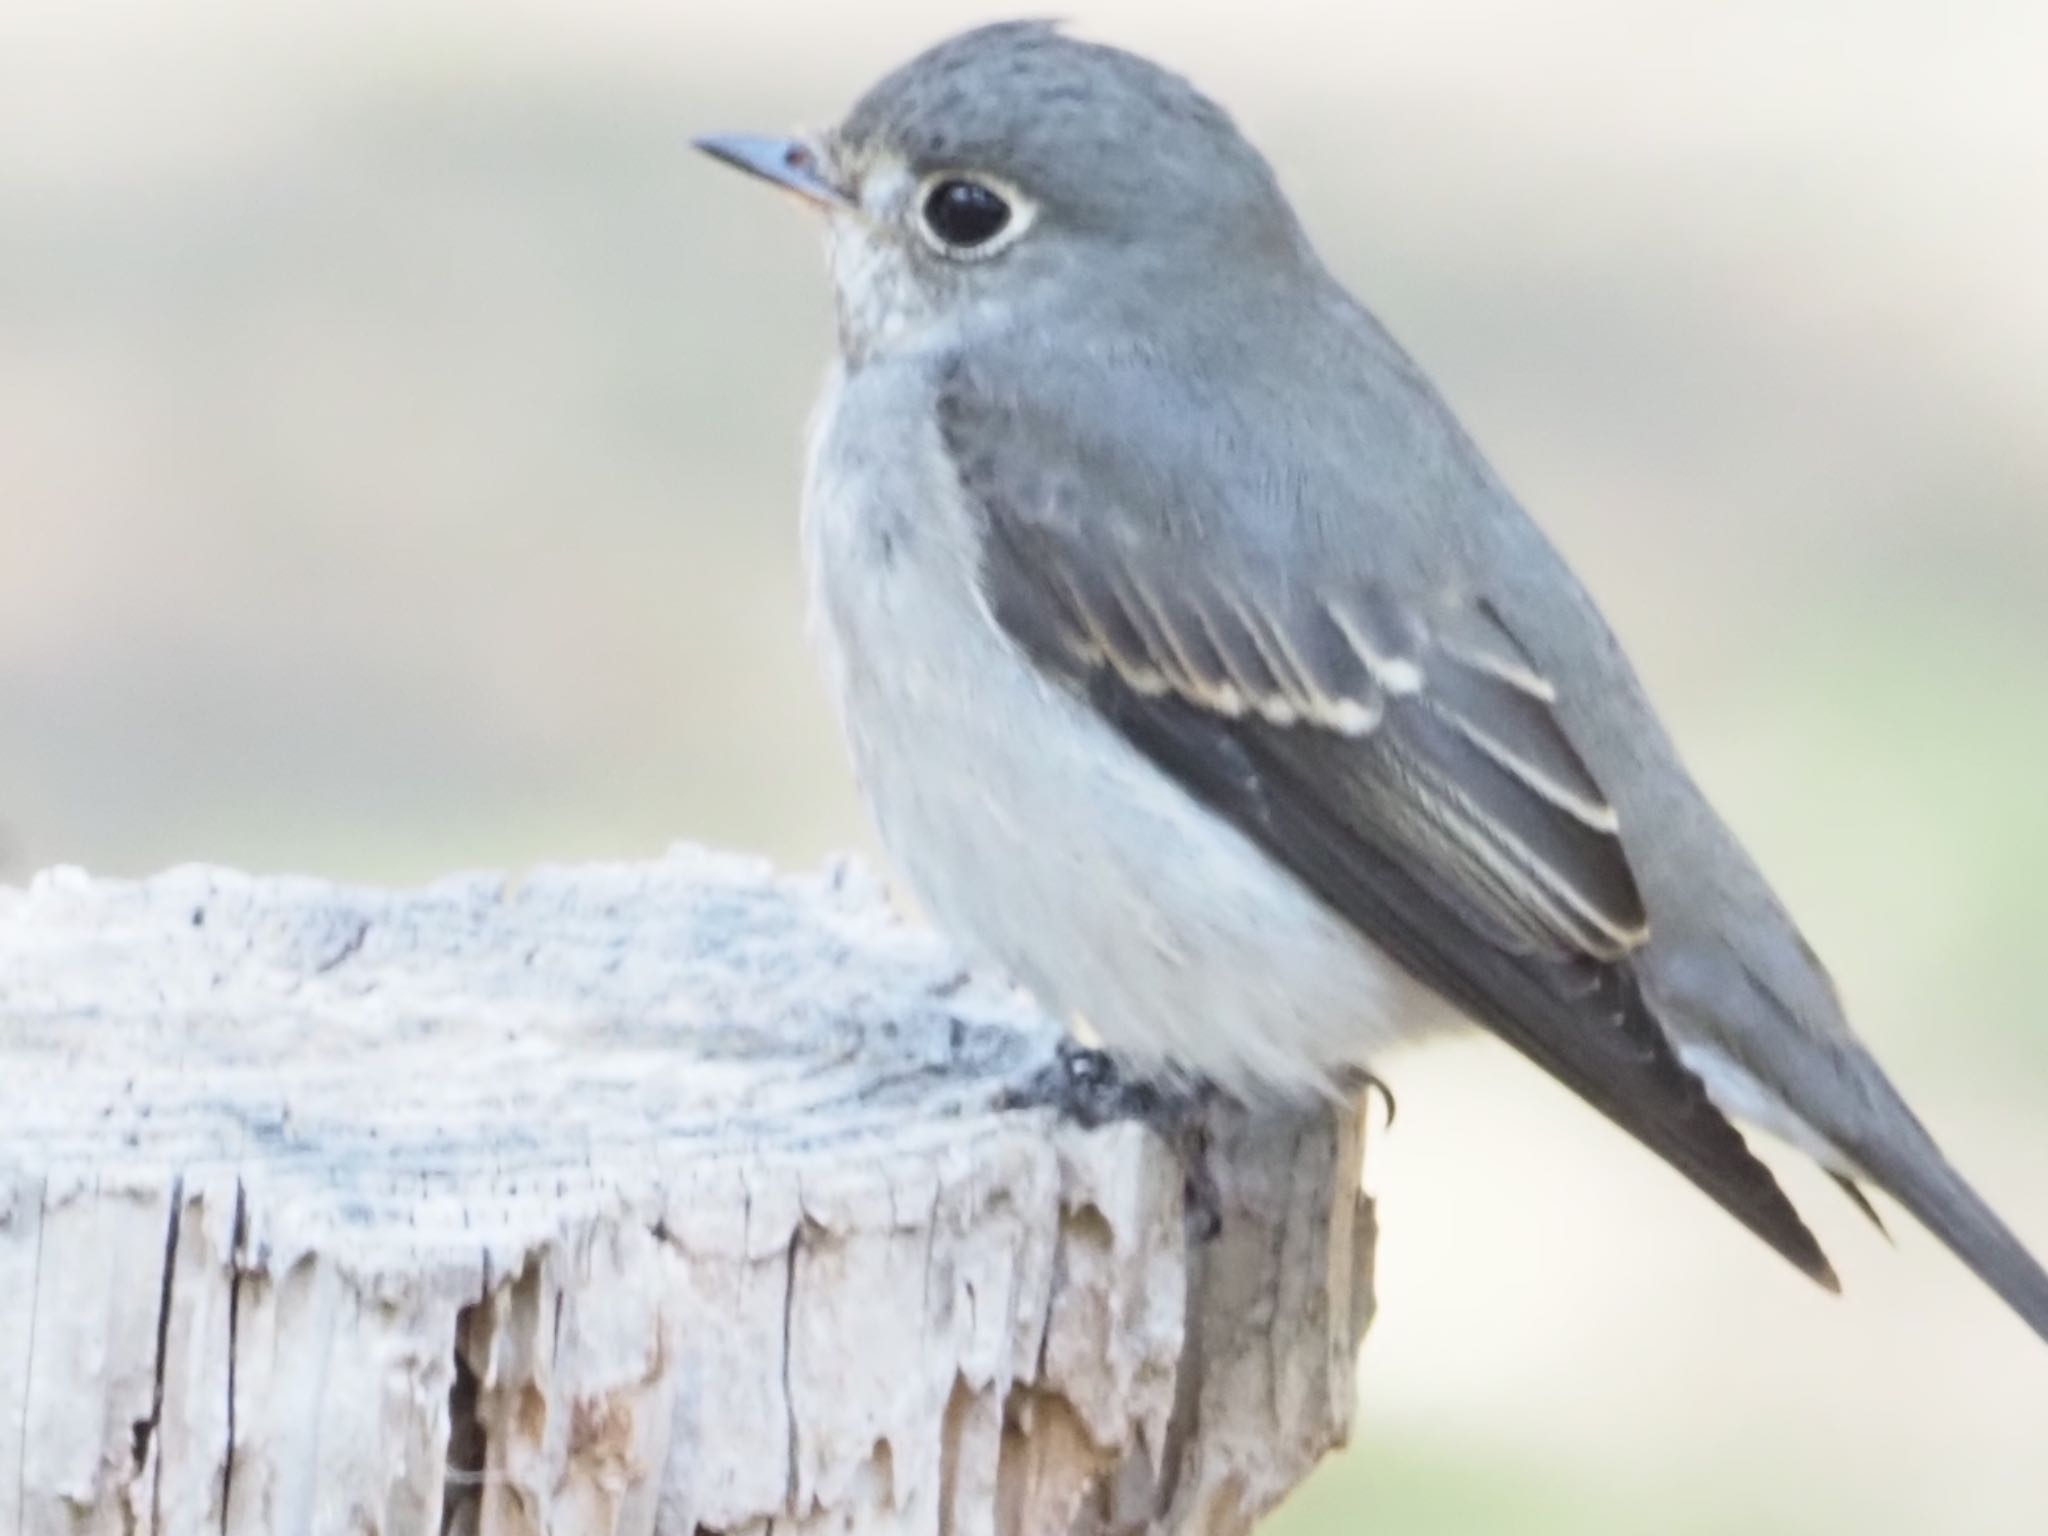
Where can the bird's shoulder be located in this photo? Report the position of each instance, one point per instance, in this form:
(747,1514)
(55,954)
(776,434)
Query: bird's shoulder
(1267,443)
(1236,567)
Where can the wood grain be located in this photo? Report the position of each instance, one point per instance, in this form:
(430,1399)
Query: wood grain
(624,1198)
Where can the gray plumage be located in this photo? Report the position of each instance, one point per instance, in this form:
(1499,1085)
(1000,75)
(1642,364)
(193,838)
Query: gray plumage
(1199,669)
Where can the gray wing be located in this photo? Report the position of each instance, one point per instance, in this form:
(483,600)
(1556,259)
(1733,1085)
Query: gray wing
(1397,751)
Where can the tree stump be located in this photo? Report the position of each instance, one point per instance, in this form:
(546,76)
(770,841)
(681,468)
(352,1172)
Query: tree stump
(667,1197)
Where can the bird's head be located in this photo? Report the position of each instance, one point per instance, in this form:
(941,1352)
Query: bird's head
(1013,172)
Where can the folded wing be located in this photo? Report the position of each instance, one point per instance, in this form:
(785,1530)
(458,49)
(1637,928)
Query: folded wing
(1397,750)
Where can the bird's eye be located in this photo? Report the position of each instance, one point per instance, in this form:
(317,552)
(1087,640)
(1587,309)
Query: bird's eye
(963,215)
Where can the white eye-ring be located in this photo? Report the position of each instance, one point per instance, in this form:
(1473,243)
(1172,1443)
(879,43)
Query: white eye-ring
(970,217)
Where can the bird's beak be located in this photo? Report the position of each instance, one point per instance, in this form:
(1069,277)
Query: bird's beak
(788,163)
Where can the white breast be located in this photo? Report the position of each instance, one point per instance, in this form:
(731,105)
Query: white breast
(1032,832)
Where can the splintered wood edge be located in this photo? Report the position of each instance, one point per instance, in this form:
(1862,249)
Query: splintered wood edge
(621,1198)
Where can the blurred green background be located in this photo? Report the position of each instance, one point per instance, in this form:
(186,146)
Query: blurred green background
(398,461)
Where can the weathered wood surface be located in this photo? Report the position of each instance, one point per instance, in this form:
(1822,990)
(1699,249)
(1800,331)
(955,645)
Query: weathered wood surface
(626,1198)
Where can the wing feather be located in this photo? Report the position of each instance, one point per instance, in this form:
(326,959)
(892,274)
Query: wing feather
(1398,750)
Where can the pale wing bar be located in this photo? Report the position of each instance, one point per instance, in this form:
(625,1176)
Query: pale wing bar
(1461,727)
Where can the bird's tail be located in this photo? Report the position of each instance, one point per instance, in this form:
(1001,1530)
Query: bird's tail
(1916,1174)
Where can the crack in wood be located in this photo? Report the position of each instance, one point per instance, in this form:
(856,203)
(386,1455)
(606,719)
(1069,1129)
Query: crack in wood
(349,946)
(796,1237)
(28,1364)
(238,1237)
(144,1429)
(468,1447)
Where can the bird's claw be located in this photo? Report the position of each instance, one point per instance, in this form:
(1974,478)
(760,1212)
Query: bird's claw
(1369,1085)
(1088,1087)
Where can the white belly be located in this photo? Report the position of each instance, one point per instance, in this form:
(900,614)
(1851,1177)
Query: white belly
(1036,836)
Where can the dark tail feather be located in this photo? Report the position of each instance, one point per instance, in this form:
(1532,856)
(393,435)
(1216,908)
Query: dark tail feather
(1861,1201)
(1920,1179)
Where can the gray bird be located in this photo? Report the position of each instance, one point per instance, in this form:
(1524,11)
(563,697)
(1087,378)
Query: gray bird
(1199,671)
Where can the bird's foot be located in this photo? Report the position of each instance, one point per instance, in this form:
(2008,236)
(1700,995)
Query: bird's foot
(1090,1088)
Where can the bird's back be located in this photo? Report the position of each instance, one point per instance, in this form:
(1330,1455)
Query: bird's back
(1284,419)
